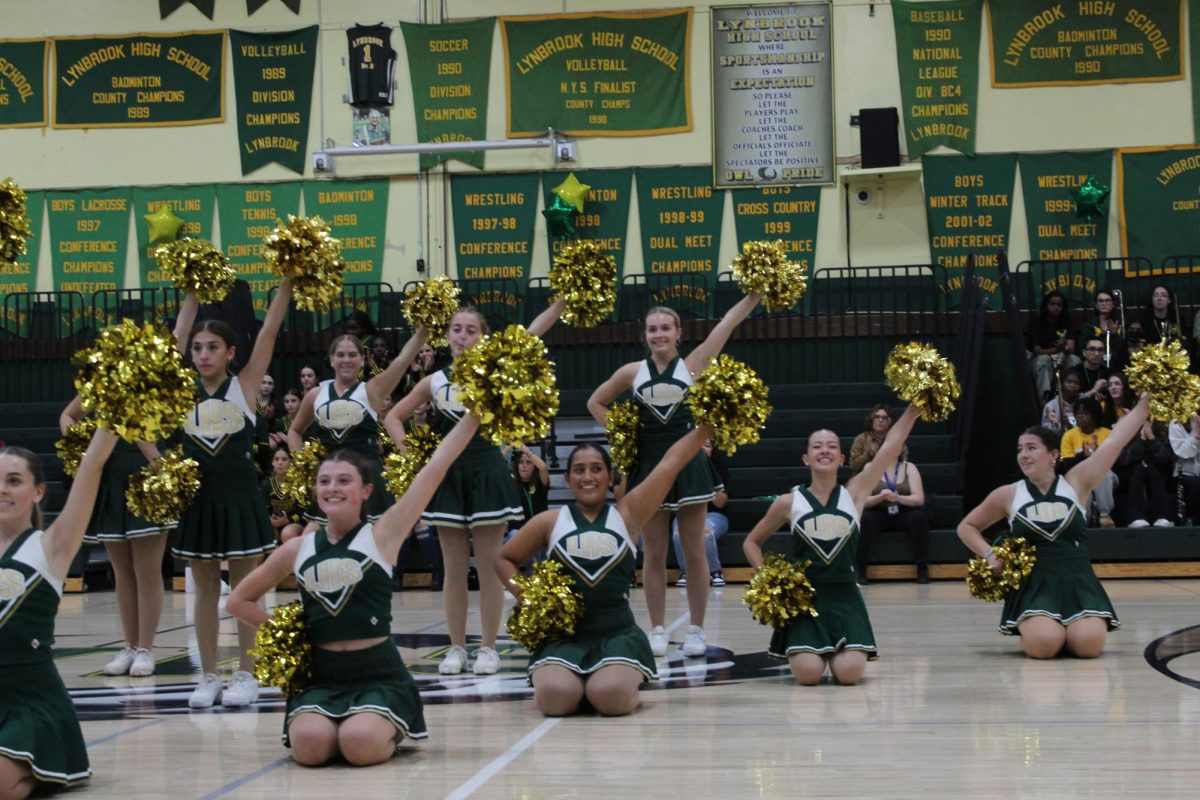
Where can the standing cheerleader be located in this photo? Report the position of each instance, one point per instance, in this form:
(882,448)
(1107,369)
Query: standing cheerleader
(475,502)
(227,520)
(824,521)
(1061,604)
(659,384)
(41,744)
(361,701)
(608,656)
(135,549)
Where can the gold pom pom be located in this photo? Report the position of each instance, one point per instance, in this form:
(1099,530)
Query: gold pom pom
(549,608)
(400,467)
(729,396)
(779,593)
(622,425)
(922,378)
(507,381)
(1018,556)
(764,267)
(586,277)
(1162,370)
(282,650)
(301,476)
(74,443)
(305,251)
(432,304)
(196,266)
(163,489)
(134,381)
(14,222)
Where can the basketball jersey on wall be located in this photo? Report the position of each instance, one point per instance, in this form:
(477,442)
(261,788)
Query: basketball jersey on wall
(372,63)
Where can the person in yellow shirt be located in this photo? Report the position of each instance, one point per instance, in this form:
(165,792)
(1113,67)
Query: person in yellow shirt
(1081,441)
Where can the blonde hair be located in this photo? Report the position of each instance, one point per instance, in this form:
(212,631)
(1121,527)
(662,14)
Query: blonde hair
(670,312)
(345,337)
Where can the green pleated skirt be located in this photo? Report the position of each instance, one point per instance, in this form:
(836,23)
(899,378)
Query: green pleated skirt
(38,726)
(842,624)
(372,680)
(603,637)
(696,482)
(479,489)
(112,521)
(1062,587)
(227,519)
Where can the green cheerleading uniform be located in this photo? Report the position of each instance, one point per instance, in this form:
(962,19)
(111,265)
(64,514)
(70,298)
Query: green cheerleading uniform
(38,725)
(348,422)
(1062,585)
(479,488)
(601,559)
(280,502)
(227,519)
(665,419)
(346,589)
(112,521)
(827,534)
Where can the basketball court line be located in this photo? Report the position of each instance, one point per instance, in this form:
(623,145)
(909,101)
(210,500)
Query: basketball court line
(503,760)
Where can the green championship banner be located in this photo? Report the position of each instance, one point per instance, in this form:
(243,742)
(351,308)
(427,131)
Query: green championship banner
(273,80)
(146,79)
(89,234)
(937,51)
(1056,231)
(450,66)
(247,213)
(616,74)
(1159,202)
(605,217)
(494,219)
(780,213)
(1036,43)
(968,203)
(680,214)
(192,204)
(23,95)
(357,215)
(22,276)
(1194,41)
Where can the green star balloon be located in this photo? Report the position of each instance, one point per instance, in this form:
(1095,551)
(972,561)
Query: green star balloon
(1090,199)
(560,219)
(164,225)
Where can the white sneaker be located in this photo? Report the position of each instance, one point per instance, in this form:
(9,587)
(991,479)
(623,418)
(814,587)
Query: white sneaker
(1163,522)
(120,663)
(454,661)
(241,691)
(207,690)
(143,663)
(658,640)
(694,645)
(487,661)
(1139,523)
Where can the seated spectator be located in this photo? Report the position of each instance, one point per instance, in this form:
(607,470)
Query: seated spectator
(1095,374)
(1080,442)
(360,326)
(1051,342)
(1118,400)
(1185,443)
(1145,466)
(422,365)
(1105,323)
(875,427)
(896,504)
(308,378)
(378,356)
(1160,317)
(716,524)
(1059,412)
(282,508)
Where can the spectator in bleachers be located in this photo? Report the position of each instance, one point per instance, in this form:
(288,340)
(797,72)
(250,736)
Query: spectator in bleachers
(876,425)
(1105,323)
(1117,401)
(308,378)
(1082,441)
(1059,412)
(282,509)
(1160,317)
(291,404)
(1145,466)
(1185,443)
(1051,342)
(379,355)
(1095,373)
(421,366)
(896,504)
(360,326)
(716,524)
(533,480)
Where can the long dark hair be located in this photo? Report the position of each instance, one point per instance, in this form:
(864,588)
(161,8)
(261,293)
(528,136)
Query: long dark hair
(221,329)
(608,465)
(1049,438)
(360,464)
(1044,309)
(34,465)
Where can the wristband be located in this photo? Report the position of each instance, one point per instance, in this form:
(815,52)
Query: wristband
(991,552)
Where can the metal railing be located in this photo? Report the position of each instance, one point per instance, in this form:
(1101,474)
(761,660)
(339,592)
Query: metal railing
(160,304)
(42,330)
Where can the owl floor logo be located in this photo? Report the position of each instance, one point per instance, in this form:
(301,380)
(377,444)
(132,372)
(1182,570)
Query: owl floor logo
(1161,652)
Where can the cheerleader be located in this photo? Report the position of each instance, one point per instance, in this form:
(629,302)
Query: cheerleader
(227,519)
(475,502)
(41,744)
(346,410)
(659,384)
(608,656)
(361,701)
(1061,605)
(135,549)
(824,521)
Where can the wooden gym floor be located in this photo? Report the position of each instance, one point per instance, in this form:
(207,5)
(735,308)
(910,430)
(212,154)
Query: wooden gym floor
(951,710)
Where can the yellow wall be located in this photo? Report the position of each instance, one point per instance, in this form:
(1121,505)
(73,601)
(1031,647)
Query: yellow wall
(890,229)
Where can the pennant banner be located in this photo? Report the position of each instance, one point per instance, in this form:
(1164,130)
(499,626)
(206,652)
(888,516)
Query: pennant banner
(1056,229)
(273,80)
(255,5)
(450,67)
(1159,202)
(168,7)
(89,234)
(247,213)
(23,97)
(22,276)
(192,204)
(780,213)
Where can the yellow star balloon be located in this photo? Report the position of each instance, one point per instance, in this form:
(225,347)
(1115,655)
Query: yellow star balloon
(164,225)
(572,191)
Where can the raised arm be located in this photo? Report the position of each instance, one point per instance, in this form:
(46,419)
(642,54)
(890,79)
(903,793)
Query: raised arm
(993,509)
(70,415)
(393,423)
(545,320)
(243,600)
(63,537)
(383,384)
(860,485)
(620,381)
(775,518)
(543,471)
(304,418)
(640,502)
(533,536)
(184,322)
(264,344)
(1087,474)
(715,341)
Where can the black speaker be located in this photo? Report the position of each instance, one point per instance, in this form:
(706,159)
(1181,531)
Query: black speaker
(879,131)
